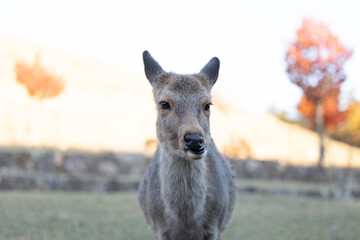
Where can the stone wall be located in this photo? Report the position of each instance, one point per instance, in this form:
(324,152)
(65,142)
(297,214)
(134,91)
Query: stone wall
(51,170)
(34,169)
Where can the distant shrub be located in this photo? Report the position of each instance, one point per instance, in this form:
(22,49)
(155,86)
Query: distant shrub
(39,82)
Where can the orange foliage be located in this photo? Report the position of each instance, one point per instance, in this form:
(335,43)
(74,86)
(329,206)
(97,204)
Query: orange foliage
(350,130)
(332,116)
(315,64)
(38,82)
(306,107)
(315,60)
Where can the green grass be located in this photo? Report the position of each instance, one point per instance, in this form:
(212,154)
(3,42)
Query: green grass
(285,184)
(277,217)
(86,216)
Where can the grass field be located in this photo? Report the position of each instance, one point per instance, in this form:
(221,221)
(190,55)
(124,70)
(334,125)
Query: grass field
(86,216)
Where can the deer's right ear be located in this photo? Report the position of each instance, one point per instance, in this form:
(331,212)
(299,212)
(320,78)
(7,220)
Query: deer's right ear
(152,68)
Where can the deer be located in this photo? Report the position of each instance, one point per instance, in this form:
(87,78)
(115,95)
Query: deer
(188,191)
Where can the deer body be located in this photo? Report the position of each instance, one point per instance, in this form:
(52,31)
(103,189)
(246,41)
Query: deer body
(189,191)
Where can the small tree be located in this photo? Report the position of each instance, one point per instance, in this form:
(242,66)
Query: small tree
(315,63)
(349,132)
(38,82)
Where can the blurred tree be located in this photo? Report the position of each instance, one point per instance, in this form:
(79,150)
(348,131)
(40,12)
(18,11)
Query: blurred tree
(38,82)
(349,132)
(315,63)
(280,114)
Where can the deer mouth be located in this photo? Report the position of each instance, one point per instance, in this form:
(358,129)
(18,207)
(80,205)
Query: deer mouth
(198,151)
(195,154)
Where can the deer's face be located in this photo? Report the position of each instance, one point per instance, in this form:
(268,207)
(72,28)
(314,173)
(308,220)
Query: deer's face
(183,105)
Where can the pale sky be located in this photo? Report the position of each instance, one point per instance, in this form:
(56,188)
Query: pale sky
(249,37)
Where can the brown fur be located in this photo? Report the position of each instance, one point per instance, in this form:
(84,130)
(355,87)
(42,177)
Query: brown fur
(185,195)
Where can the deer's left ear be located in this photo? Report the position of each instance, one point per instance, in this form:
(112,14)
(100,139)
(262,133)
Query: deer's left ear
(211,70)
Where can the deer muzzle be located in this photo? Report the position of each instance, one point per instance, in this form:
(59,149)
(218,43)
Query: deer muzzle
(195,143)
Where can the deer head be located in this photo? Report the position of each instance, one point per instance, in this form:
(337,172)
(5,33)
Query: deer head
(183,106)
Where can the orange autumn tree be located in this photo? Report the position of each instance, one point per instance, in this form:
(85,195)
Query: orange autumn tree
(315,63)
(39,82)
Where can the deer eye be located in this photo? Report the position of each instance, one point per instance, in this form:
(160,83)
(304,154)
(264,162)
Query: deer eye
(207,107)
(164,105)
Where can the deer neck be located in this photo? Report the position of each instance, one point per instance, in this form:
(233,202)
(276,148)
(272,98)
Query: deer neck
(183,186)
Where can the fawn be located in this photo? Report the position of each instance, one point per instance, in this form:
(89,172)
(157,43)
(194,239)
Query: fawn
(189,189)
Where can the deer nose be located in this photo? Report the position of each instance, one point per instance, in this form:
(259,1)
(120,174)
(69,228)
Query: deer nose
(194,142)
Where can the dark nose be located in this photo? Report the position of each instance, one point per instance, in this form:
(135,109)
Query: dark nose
(194,142)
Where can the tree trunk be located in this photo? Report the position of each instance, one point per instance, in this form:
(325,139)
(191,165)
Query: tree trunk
(319,119)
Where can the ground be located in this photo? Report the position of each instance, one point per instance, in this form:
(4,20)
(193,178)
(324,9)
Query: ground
(79,216)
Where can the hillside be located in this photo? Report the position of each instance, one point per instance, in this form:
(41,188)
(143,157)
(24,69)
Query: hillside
(106,107)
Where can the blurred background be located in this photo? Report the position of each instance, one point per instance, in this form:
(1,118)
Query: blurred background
(77,118)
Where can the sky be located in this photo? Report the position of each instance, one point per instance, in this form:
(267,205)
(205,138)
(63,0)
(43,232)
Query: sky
(249,37)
